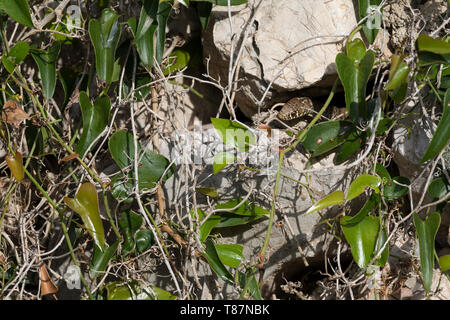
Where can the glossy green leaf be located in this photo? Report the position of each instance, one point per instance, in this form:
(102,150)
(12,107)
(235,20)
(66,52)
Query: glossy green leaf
(438,188)
(221,160)
(17,10)
(350,146)
(248,280)
(426,233)
(15,164)
(207,226)
(143,35)
(393,190)
(129,224)
(332,199)
(326,136)
(245,209)
(232,220)
(429,44)
(362,182)
(164,9)
(46,61)
(95,120)
(162,294)
(444,262)
(151,165)
(101,259)
(373,23)
(382,172)
(384,125)
(381,240)
(223,2)
(234,134)
(354,78)
(398,73)
(214,261)
(371,203)
(362,238)
(210,192)
(118,291)
(144,240)
(230,254)
(15,56)
(177,60)
(85,204)
(356,50)
(442,134)
(105,35)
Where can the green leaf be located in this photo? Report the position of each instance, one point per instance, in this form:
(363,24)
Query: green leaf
(350,146)
(210,192)
(248,280)
(15,56)
(178,59)
(164,9)
(203,13)
(207,226)
(118,291)
(442,134)
(362,238)
(398,73)
(429,44)
(230,254)
(246,209)
(214,261)
(373,201)
(382,171)
(128,225)
(95,120)
(143,36)
(234,134)
(444,262)
(381,240)
(162,294)
(384,125)
(326,136)
(18,10)
(360,183)
(393,190)
(438,188)
(101,259)
(144,240)
(356,50)
(426,233)
(232,220)
(332,199)
(354,78)
(105,35)
(370,27)
(221,160)
(85,204)
(151,165)
(46,61)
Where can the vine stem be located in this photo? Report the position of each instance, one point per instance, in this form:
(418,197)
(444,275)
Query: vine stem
(280,163)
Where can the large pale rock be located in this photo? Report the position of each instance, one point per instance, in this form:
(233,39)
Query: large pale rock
(291,43)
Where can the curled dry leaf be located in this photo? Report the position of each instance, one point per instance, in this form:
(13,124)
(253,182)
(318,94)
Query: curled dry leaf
(69,157)
(47,285)
(12,113)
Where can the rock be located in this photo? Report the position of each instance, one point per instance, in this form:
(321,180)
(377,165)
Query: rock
(290,43)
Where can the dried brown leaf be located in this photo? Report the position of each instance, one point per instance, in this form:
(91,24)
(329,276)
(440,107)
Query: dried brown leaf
(12,113)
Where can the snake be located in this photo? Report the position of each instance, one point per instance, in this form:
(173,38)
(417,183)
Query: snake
(298,107)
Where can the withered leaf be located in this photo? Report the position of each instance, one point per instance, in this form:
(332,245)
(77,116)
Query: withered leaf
(12,113)
(69,157)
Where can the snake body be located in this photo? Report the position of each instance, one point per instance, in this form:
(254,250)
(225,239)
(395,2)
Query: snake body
(296,108)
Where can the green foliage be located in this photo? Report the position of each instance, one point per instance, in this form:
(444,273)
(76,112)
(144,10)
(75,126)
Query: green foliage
(85,204)
(370,28)
(105,34)
(426,233)
(15,56)
(46,61)
(17,10)
(95,120)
